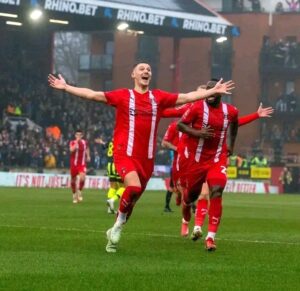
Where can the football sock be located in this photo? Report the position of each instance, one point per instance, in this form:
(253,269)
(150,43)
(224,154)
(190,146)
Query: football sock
(168,198)
(211,235)
(129,198)
(201,212)
(214,214)
(73,184)
(81,184)
(121,218)
(111,193)
(186,211)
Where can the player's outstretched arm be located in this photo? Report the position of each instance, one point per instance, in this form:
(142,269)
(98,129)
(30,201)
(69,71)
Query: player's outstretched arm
(220,88)
(205,132)
(264,112)
(260,113)
(60,84)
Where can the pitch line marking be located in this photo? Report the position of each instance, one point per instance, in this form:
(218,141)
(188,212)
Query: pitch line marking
(147,234)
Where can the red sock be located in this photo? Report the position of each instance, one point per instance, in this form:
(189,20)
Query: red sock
(201,212)
(129,198)
(73,184)
(214,214)
(186,206)
(81,184)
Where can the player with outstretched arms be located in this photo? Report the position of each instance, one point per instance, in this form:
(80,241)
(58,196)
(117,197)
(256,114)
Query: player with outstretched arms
(138,112)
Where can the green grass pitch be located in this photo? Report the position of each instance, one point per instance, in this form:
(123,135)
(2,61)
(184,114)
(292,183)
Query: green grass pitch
(47,243)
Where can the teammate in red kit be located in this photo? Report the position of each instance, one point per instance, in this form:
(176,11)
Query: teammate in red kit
(138,112)
(202,204)
(204,157)
(80,154)
(170,141)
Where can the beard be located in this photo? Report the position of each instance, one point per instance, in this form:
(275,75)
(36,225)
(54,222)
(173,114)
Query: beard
(213,102)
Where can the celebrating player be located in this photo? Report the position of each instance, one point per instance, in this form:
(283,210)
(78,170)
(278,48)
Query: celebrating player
(138,112)
(202,204)
(80,154)
(204,157)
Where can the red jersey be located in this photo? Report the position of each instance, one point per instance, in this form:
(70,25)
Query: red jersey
(137,118)
(172,135)
(202,115)
(78,157)
(176,111)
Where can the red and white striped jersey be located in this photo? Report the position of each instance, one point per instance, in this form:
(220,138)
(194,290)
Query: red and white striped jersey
(201,115)
(137,118)
(78,157)
(172,135)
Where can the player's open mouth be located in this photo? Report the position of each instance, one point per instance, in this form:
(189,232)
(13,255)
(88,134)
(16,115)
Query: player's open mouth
(145,78)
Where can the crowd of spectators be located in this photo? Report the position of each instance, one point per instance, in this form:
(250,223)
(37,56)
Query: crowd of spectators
(287,103)
(283,53)
(284,6)
(25,94)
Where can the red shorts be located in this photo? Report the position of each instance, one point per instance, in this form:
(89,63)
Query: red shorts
(175,170)
(143,167)
(76,170)
(194,174)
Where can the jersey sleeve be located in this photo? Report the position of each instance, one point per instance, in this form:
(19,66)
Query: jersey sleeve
(190,115)
(176,111)
(234,114)
(166,99)
(170,133)
(243,120)
(114,97)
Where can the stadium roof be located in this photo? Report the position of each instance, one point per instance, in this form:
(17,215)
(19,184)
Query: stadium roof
(182,18)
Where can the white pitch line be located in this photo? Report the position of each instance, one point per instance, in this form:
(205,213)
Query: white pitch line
(148,234)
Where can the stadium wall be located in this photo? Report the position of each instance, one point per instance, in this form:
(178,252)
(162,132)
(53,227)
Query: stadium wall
(35,180)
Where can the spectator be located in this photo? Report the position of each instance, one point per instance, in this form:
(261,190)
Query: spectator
(293,5)
(256,7)
(259,161)
(279,7)
(237,6)
(291,102)
(286,180)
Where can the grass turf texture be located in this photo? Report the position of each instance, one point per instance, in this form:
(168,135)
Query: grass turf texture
(47,243)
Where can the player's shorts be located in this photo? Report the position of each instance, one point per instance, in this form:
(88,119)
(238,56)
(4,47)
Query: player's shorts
(76,170)
(212,173)
(175,171)
(112,173)
(195,174)
(144,168)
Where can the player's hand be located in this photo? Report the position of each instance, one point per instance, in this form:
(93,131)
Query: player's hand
(206,132)
(57,83)
(88,159)
(264,112)
(224,88)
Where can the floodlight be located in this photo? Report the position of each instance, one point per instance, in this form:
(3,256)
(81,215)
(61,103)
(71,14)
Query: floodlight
(221,39)
(36,14)
(8,15)
(122,26)
(15,23)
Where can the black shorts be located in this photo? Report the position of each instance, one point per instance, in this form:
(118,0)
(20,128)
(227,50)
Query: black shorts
(112,173)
